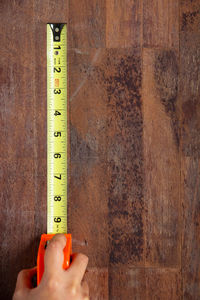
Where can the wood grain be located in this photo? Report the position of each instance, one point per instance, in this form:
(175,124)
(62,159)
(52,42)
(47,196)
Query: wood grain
(87,23)
(161,23)
(189,94)
(88,207)
(17,144)
(123,23)
(121,76)
(161,156)
(189,15)
(98,279)
(134,198)
(145,283)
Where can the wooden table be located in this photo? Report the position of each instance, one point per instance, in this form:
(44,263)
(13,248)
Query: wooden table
(134,186)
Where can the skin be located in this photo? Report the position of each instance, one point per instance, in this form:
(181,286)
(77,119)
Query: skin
(56,283)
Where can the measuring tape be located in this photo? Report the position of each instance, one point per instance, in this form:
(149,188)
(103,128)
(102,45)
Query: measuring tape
(57,128)
(56,142)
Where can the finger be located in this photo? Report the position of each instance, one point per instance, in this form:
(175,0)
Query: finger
(24,279)
(54,256)
(78,266)
(85,290)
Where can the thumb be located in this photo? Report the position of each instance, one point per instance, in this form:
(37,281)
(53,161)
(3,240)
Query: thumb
(24,279)
(54,256)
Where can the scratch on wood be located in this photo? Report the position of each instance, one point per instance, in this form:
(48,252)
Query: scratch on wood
(86,76)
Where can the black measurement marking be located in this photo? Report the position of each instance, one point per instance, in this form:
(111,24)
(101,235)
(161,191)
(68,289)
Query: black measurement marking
(57,133)
(58,177)
(57,113)
(57,47)
(57,220)
(57,69)
(57,91)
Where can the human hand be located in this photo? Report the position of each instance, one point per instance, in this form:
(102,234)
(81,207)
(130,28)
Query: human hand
(56,283)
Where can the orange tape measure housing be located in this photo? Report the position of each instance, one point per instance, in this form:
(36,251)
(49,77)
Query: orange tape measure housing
(41,252)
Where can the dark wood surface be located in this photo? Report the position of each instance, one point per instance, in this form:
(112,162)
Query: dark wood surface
(134,124)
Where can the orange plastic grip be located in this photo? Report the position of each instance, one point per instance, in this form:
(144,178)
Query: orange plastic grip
(40,258)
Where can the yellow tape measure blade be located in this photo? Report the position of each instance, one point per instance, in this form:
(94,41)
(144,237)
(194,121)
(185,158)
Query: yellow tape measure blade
(56,128)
